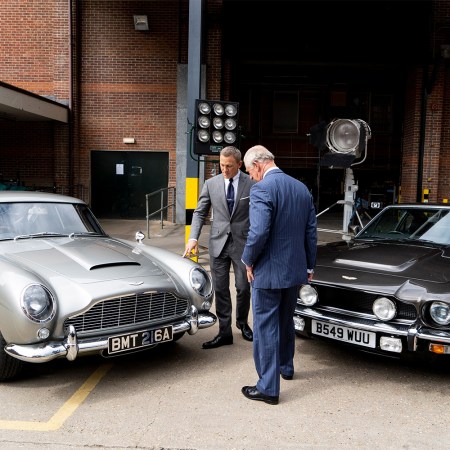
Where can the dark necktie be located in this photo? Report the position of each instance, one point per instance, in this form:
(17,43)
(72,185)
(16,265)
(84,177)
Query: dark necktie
(230,196)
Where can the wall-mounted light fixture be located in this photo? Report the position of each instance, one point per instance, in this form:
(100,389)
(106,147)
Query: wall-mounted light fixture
(140,23)
(129,140)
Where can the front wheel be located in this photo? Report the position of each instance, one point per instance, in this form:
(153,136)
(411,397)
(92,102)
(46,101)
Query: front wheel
(9,367)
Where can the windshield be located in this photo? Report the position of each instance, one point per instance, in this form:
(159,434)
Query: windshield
(422,224)
(28,219)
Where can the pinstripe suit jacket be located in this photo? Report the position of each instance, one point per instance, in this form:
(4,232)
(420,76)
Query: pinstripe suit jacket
(282,240)
(213,196)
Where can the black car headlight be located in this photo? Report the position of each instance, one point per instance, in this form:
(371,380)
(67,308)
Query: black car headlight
(440,313)
(384,308)
(201,282)
(38,304)
(307,295)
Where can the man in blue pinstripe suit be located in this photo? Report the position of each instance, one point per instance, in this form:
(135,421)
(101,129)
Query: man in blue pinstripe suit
(280,255)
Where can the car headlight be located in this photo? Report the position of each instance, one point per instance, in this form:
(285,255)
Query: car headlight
(201,282)
(307,295)
(384,308)
(38,303)
(440,313)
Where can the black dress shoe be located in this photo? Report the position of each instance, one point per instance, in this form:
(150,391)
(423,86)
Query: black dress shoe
(218,341)
(246,331)
(253,394)
(286,377)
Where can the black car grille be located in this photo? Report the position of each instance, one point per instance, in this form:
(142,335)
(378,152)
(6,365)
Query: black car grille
(129,310)
(359,302)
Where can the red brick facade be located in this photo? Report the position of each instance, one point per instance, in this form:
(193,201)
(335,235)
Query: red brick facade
(435,139)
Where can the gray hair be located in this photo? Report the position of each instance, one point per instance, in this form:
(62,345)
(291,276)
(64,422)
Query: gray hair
(258,153)
(232,151)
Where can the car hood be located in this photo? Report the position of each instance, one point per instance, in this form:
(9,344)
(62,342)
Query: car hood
(84,260)
(373,262)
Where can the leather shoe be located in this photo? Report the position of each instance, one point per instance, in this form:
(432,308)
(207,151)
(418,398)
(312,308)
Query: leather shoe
(246,331)
(218,341)
(253,394)
(286,377)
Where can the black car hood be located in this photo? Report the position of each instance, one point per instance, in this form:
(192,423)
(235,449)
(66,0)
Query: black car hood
(382,260)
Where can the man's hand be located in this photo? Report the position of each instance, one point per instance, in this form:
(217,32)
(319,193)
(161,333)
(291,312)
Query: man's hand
(191,249)
(250,276)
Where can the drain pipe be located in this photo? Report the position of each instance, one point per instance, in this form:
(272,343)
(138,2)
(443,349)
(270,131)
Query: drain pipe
(70,137)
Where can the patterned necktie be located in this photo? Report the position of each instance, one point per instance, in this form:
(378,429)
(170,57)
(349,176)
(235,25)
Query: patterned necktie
(230,196)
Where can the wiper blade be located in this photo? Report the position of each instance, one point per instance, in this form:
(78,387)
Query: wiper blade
(369,237)
(84,233)
(41,234)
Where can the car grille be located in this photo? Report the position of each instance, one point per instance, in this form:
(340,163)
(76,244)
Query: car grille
(359,302)
(129,310)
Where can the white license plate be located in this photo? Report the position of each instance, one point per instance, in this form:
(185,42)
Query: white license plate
(344,334)
(139,339)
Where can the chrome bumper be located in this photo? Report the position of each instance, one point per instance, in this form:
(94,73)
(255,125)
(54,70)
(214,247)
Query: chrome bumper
(71,346)
(412,333)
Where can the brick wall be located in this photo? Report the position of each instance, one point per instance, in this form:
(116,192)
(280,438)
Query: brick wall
(433,140)
(33,56)
(34,50)
(127,80)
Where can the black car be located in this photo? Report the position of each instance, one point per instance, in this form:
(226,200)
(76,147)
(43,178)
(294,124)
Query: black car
(387,289)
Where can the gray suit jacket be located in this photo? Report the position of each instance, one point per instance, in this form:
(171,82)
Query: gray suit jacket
(213,196)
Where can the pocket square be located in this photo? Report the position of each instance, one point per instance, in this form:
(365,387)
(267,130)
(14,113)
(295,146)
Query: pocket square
(244,198)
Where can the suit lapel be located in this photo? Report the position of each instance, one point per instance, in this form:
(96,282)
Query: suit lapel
(243,180)
(241,186)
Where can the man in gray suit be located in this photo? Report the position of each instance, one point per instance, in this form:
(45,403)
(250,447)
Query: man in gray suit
(228,196)
(280,255)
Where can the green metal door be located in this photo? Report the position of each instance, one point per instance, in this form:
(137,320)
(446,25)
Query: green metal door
(120,181)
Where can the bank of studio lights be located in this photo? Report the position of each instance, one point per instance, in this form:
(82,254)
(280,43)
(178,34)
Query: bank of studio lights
(216,126)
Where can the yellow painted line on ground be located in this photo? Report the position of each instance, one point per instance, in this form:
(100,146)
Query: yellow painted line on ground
(65,411)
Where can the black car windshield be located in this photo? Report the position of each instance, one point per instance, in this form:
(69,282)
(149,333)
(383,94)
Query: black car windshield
(412,223)
(45,219)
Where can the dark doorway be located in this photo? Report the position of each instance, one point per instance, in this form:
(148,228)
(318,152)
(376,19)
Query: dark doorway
(121,180)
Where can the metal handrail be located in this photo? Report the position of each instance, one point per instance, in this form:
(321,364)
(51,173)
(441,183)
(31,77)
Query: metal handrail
(169,190)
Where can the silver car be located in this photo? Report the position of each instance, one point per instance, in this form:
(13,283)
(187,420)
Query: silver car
(68,289)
